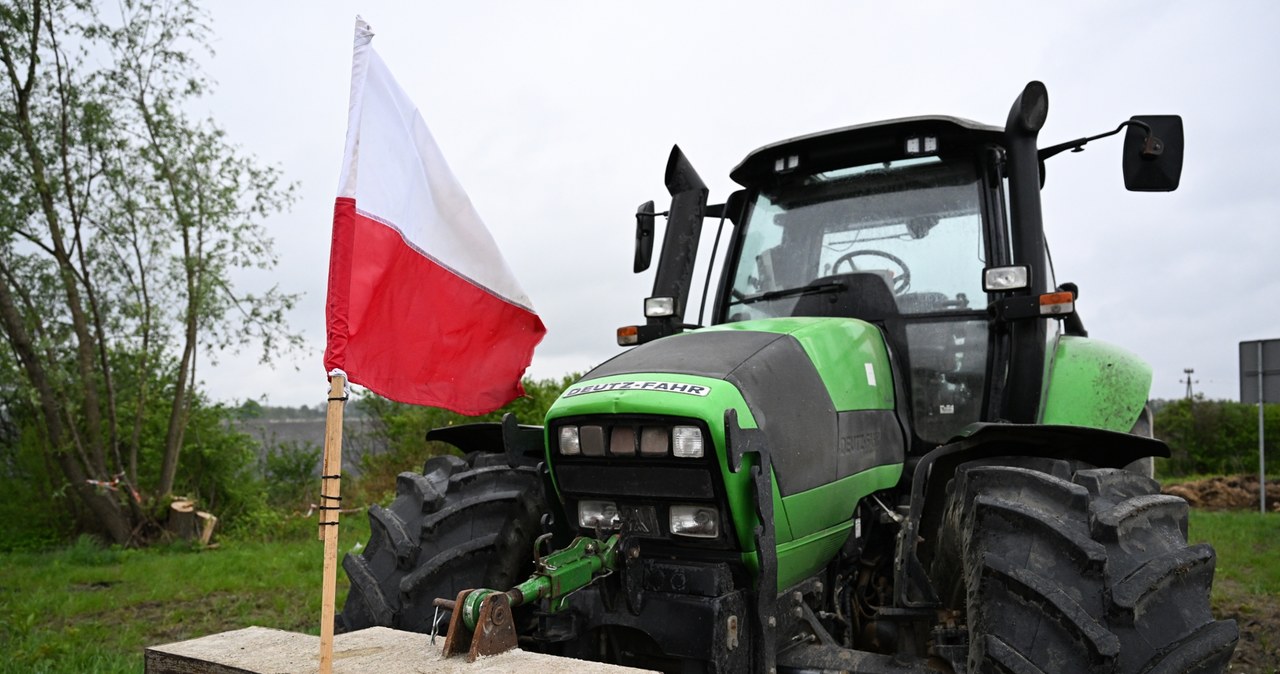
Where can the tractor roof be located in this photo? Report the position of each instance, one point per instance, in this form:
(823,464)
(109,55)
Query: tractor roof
(861,143)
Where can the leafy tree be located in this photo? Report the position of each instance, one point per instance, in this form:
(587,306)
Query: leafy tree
(124,222)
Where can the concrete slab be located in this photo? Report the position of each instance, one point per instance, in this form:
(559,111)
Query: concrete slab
(377,650)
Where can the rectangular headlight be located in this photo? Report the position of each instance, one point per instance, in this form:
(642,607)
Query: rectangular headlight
(592,439)
(653,441)
(656,307)
(686,442)
(598,515)
(569,440)
(622,440)
(695,521)
(999,279)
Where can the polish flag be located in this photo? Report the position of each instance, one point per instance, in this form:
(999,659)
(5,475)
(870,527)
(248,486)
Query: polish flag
(422,308)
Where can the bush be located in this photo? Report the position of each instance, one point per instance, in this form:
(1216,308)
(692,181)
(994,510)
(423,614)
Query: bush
(1215,437)
(290,469)
(399,434)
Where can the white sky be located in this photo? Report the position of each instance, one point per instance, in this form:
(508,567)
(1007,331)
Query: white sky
(558,117)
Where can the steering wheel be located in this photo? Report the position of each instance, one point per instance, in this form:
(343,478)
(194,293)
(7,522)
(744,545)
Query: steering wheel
(901,281)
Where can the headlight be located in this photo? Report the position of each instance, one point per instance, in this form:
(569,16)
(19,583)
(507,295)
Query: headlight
(592,438)
(1000,279)
(622,440)
(598,515)
(686,442)
(653,441)
(569,440)
(694,521)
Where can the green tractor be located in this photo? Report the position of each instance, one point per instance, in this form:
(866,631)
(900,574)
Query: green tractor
(894,448)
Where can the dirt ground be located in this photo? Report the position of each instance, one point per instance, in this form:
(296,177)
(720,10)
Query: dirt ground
(1258,616)
(1233,492)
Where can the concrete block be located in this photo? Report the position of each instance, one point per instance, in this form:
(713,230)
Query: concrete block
(377,650)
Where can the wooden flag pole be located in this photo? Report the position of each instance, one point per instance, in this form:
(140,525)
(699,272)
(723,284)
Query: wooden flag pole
(330,503)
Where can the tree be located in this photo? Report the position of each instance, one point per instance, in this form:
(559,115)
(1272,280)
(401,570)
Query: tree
(124,222)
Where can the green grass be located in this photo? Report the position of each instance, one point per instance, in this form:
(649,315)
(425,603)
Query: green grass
(1246,586)
(1248,546)
(86,608)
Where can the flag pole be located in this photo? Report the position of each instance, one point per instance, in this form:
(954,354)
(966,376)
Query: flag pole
(330,503)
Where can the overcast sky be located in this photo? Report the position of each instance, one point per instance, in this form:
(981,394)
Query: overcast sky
(558,117)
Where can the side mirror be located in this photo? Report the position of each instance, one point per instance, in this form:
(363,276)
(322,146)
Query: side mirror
(1153,156)
(644,237)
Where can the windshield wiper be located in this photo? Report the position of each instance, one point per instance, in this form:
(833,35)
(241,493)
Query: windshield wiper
(829,287)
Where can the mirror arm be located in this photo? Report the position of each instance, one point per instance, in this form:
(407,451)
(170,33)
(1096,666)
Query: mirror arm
(1152,148)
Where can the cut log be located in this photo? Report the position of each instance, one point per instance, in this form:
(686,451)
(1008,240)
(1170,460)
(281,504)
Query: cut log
(188,524)
(207,524)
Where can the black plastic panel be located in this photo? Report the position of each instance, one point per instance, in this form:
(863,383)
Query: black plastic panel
(636,481)
(791,405)
(704,354)
(776,378)
(868,438)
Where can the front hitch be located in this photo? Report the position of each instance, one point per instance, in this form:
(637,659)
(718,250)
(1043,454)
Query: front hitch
(482,623)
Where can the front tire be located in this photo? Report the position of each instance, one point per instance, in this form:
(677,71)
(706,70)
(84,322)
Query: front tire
(461,524)
(1066,571)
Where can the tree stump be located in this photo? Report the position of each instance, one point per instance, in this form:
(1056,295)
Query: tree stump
(188,524)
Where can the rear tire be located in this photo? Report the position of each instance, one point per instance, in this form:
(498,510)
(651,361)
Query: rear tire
(1073,571)
(461,524)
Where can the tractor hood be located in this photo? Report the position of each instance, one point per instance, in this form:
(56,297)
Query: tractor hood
(808,383)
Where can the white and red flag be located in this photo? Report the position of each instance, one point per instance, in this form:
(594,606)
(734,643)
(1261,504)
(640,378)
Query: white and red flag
(422,308)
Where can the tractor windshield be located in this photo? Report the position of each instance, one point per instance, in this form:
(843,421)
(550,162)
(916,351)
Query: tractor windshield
(914,223)
(896,243)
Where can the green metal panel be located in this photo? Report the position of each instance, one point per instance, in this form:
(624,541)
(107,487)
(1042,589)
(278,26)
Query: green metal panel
(849,355)
(1095,384)
(804,557)
(812,511)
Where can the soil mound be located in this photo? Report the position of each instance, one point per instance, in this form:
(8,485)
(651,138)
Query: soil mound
(1232,492)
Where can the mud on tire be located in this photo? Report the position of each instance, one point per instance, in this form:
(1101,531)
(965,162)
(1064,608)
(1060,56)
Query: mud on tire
(1077,570)
(462,523)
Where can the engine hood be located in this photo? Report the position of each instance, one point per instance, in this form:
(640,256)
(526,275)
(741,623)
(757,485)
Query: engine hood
(821,389)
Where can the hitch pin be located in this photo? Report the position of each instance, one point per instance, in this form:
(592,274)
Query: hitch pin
(435,619)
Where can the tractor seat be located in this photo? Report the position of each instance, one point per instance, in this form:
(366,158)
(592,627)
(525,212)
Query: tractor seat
(865,296)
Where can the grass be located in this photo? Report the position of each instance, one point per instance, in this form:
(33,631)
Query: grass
(1248,546)
(86,608)
(1246,586)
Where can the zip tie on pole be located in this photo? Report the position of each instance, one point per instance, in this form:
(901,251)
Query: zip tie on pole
(346,384)
(312,508)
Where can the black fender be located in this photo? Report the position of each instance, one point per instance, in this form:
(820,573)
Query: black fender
(523,446)
(1104,449)
(522,443)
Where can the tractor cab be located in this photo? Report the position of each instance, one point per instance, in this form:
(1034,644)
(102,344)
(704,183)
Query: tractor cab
(893,224)
(927,227)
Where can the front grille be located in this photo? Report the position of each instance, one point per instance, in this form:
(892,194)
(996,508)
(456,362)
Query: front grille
(630,462)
